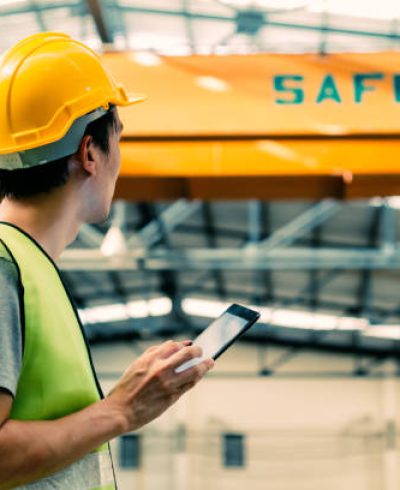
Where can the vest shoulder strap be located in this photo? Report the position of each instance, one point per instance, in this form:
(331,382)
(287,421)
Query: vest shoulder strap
(4,252)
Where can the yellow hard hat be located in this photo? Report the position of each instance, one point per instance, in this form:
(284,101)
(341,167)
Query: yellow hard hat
(51,86)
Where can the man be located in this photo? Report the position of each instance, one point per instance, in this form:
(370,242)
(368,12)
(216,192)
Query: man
(59,161)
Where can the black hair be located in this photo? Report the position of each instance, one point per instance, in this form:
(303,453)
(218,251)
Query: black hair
(29,182)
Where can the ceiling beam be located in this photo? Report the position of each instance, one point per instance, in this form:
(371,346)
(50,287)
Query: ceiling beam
(263,187)
(365,292)
(39,15)
(301,225)
(40,7)
(171,217)
(314,275)
(268,22)
(294,258)
(212,242)
(96,10)
(105,34)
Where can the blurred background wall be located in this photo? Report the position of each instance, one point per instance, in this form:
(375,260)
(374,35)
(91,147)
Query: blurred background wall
(312,425)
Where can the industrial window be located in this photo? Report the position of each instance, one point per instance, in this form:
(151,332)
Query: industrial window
(234,456)
(129,453)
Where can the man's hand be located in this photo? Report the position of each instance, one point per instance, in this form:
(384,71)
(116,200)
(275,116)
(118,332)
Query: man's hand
(150,385)
(30,450)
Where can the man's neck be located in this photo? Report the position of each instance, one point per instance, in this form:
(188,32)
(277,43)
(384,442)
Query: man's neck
(52,221)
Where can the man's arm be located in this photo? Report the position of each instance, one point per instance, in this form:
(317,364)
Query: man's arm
(30,450)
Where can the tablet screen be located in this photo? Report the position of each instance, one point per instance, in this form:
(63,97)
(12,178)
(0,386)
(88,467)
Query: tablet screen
(215,337)
(219,333)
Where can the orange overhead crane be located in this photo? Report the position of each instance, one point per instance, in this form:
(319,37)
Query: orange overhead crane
(260,126)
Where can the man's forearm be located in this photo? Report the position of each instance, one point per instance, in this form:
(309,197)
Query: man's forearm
(30,450)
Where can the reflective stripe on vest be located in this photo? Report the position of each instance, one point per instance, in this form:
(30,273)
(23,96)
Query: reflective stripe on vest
(56,377)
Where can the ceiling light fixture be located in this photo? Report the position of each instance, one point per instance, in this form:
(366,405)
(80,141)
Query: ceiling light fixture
(278,316)
(118,312)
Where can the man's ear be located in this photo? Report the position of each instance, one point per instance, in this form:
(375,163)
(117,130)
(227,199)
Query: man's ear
(86,155)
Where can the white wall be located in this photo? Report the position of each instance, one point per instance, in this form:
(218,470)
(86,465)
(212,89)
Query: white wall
(303,431)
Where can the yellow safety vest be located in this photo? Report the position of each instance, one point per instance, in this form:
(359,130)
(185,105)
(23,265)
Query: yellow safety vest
(57,377)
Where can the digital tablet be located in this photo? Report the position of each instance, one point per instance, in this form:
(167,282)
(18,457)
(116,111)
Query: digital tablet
(222,333)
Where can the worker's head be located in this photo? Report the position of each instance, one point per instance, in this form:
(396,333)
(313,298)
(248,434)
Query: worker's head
(59,124)
(94,168)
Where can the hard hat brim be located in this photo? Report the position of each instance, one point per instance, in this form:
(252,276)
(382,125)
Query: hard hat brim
(132,99)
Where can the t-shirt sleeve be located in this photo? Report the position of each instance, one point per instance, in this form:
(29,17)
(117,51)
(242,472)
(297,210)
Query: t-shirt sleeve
(10,327)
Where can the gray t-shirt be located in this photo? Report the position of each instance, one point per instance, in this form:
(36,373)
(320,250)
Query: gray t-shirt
(10,327)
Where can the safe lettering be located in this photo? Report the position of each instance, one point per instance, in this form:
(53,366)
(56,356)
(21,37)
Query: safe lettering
(290,89)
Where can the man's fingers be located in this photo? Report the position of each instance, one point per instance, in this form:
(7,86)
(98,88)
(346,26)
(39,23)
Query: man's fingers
(191,376)
(151,349)
(185,354)
(187,342)
(167,349)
